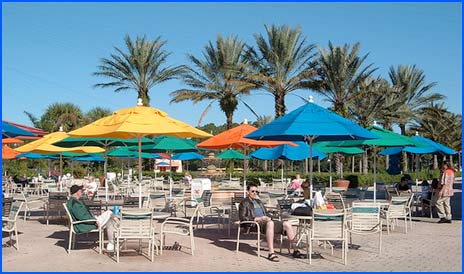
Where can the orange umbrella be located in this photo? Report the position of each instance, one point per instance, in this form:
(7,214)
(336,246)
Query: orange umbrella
(8,153)
(12,141)
(234,138)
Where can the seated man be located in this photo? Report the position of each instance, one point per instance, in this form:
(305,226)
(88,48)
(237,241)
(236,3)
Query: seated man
(403,186)
(80,212)
(252,209)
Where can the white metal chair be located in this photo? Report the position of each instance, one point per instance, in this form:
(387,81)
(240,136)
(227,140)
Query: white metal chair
(179,226)
(365,220)
(73,233)
(31,202)
(397,209)
(136,224)
(328,225)
(9,224)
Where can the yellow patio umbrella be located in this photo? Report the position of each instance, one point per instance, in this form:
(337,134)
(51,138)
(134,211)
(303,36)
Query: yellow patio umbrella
(137,122)
(44,146)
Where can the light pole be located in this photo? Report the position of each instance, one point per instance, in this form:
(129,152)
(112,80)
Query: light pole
(330,174)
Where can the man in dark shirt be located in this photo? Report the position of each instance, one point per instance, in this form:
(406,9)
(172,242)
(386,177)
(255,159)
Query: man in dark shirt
(252,209)
(403,186)
(80,212)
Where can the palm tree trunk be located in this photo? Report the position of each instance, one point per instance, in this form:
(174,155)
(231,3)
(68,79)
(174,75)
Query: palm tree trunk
(387,162)
(279,98)
(365,164)
(352,164)
(435,162)
(404,156)
(360,164)
(318,166)
(143,94)
(229,116)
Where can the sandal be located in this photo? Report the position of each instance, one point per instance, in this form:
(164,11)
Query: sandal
(297,254)
(272,257)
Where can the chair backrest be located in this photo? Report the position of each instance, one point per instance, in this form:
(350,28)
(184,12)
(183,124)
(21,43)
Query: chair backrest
(285,205)
(206,198)
(13,215)
(94,207)
(234,202)
(6,206)
(156,199)
(136,223)
(178,193)
(55,199)
(131,202)
(397,206)
(365,216)
(328,224)
(336,199)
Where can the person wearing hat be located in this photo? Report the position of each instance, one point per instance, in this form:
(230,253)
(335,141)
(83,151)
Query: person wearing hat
(80,212)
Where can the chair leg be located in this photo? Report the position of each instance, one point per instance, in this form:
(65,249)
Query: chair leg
(380,242)
(69,242)
(17,238)
(406,224)
(238,239)
(192,240)
(259,244)
(117,250)
(161,242)
(310,250)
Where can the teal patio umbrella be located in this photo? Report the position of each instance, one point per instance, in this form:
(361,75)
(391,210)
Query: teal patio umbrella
(311,123)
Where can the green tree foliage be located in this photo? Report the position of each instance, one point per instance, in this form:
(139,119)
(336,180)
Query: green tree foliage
(140,68)
(281,63)
(219,76)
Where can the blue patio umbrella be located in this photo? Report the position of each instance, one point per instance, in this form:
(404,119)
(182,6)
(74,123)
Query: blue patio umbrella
(89,159)
(441,149)
(286,152)
(31,155)
(311,123)
(187,156)
(8,130)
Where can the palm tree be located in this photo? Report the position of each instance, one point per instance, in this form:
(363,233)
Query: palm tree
(282,63)
(67,115)
(97,113)
(219,77)
(410,83)
(141,68)
(341,72)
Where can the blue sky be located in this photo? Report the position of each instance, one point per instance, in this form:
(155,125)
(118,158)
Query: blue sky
(50,50)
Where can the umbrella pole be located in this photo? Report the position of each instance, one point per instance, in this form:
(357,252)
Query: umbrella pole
(170,176)
(61,172)
(375,174)
(105,167)
(139,137)
(311,167)
(244,171)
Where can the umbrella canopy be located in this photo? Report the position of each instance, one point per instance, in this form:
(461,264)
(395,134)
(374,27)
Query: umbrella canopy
(386,138)
(31,155)
(8,153)
(311,123)
(130,152)
(235,138)
(286,152)
(187,156)
(12,141)
(138,122)
(89,159)
(51,149)
(442,149)
(47,139)
(230,154)
(100,142)
(170,144)
(9,130)
(326,148)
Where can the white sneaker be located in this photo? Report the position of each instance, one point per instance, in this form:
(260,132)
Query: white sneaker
(110,247)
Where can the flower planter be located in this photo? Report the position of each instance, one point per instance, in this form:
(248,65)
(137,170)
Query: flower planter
(341,183)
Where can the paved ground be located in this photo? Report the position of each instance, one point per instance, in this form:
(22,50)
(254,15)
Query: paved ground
(428,247)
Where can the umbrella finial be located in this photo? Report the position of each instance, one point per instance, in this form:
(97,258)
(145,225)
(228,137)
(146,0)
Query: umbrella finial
(311,99)
(417,133)
(61,128)
(375,123)
(245,121)
(139,102)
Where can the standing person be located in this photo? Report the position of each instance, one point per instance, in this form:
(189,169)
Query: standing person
(445,192)
(252,209)
(80,212)
(188,178)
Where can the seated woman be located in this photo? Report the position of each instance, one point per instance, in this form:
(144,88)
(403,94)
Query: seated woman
(91,187)
(296,185)
(188,178)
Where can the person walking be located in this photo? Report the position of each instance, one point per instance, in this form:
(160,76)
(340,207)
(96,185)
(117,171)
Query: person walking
(445,192)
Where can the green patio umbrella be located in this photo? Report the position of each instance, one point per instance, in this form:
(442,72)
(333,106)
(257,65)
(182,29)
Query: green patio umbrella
(387,138)
(169,145)
(230,154)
